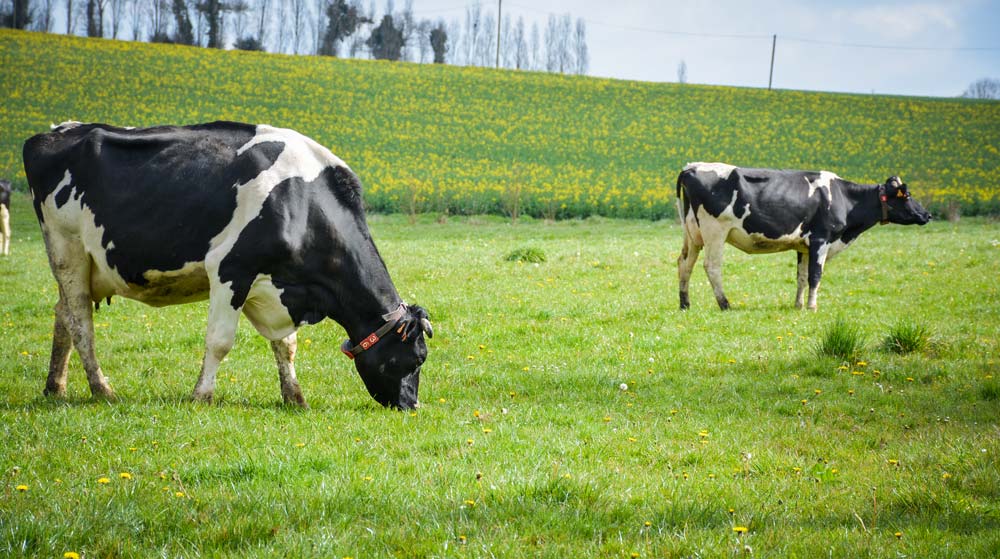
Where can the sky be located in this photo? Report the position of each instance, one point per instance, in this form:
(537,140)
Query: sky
(902,47)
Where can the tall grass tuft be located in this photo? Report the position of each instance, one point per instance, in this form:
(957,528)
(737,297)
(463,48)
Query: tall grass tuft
(906,337)
(526,254)
(842,339)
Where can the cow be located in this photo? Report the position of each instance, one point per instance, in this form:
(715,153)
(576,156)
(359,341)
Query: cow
(4,217)
(257,219)
(816,214)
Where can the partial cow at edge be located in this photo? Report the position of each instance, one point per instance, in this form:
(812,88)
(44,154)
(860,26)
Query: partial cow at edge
(816,214)
(259,220)
(4,217)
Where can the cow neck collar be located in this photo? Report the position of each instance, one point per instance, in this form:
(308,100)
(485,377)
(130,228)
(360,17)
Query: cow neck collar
(884,200)
(390,320)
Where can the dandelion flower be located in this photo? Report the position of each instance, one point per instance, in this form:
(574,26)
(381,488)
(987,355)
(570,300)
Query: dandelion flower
(179,494)
(899,535)
(22,488)
(71,555)
(125,475)
(469,441)
(647,524)
(103,480)
(740,529)
(470,503)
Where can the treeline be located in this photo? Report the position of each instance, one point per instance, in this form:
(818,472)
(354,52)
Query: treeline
(483,36)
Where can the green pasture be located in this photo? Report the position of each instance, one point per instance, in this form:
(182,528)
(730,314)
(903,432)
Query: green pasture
(453,140)
(733,437)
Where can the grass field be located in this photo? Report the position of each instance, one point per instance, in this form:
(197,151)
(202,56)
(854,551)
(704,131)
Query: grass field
(733,438)
(433,138)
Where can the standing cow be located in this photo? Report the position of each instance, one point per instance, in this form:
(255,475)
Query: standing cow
(259,220)
(816,214)
(4,217)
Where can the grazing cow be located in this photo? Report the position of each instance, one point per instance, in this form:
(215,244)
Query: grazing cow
(256,219)
(4,217)
(816,214)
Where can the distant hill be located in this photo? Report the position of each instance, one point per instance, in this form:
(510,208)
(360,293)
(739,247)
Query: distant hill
(433,138)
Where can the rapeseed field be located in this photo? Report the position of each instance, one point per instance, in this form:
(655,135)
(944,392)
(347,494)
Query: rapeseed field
(432,138)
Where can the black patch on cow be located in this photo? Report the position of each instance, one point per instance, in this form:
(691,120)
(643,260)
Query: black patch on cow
(301,240)
(161,194)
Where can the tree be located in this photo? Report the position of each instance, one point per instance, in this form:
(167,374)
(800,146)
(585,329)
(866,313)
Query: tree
(43,15)
(984,88)
(439,42)
(520,45)
(20,15)
(249,43)
(212,10)
(184,33)
(534,49)
(682,72)
(342,21)
(95,18)
(386,40)
(581,57)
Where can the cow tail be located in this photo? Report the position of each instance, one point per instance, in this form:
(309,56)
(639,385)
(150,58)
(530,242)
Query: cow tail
(682,203)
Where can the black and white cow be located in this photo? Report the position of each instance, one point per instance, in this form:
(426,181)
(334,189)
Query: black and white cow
(4,217)
(256,219)
(816,214)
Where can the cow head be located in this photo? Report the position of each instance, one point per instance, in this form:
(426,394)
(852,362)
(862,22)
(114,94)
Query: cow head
(898,206)
(390,365)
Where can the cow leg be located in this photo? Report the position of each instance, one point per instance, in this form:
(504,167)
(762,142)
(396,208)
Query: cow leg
(223,320)
(4,230)
(685,264)
(713,267)
(817,259)
(62,344)
(284,356)
(803,279)
(75,310)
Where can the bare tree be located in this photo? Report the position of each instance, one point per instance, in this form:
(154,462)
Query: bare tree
(473,15)
(44,18)
(486,42)
(564,41)
(581,56)
(682,72)
(263,8)
(69,17)
(552,44)
(505,45)
(520,45)
(453,34)
(534,49)
(298,8)
(423,40)
(117,15)
(984,88)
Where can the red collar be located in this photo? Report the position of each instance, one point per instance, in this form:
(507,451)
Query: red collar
(391,319)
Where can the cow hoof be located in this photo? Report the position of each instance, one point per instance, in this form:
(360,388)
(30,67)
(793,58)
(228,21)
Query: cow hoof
(296,400)
(55,392)
(201,398)
(724,304)
(108,396)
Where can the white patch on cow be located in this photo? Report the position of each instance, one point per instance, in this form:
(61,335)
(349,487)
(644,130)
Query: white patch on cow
(66,181)
(836,247)
(722,170)
(63,126)
(758,243)
(824,180)
(301,157)
(264,309)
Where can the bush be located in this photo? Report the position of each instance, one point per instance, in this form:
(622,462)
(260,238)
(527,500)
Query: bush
(906,337)
(526,254)
(842,340)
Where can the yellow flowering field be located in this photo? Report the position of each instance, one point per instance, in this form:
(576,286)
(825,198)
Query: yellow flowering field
(431,138)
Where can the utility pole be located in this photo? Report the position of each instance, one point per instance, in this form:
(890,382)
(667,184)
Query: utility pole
(499,19)
(774,42)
